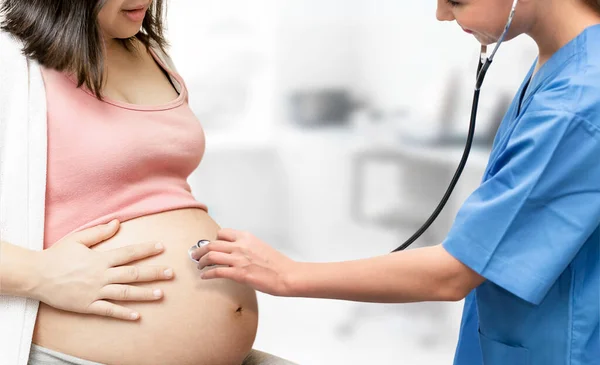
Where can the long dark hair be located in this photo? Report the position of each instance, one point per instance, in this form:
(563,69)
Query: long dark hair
(65,35)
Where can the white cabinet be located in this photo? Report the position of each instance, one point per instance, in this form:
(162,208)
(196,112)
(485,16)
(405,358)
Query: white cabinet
(424,174)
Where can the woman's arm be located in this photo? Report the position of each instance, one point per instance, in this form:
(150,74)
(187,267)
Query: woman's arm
(424,274)
(72,277)
(17,271)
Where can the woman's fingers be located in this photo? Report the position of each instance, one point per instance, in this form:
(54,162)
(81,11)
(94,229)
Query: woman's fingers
(92,236)
(128,254)
(138,274)
(107,309)
(129,293)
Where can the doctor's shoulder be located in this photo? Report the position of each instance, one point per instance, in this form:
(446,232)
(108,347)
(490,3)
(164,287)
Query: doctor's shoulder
(573,92)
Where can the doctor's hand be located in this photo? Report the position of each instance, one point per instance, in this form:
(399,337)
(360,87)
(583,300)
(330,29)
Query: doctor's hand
(242,257)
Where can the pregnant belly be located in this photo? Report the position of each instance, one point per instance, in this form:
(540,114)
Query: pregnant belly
(197,322)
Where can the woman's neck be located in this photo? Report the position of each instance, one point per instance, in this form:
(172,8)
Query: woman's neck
(558,23)
(117,52)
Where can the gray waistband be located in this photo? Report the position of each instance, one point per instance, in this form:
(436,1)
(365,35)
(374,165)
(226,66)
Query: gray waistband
(43,356)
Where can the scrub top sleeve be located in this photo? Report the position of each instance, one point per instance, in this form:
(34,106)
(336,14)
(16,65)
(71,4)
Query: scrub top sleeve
(539,202)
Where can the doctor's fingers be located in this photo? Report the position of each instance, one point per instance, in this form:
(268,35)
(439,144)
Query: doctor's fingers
(258,277)
(237,274)
(215,258)
(214,246)
(231,235)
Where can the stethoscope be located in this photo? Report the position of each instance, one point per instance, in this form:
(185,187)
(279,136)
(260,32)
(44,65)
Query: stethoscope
(482,67)
(198,244)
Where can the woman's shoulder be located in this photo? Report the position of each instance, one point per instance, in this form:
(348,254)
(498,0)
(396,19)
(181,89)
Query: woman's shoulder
(8,42)
(163,56)
(11,50)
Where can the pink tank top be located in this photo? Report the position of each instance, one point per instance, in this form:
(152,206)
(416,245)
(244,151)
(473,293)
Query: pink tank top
(108,159)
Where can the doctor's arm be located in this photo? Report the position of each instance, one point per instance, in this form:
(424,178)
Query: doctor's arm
(423,274)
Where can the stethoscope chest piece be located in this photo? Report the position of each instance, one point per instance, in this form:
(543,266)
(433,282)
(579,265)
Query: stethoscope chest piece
(199,244)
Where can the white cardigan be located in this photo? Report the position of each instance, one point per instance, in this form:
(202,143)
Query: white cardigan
(23,150)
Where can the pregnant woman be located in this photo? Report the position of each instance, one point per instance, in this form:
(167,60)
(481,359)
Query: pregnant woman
(96,143)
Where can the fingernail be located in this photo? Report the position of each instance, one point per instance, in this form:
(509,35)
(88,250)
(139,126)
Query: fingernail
(168,273)
(134,316)
(157,293)
(159,246)
(201,275)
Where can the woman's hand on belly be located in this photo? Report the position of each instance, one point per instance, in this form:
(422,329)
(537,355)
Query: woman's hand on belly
(72,277)
(198,322)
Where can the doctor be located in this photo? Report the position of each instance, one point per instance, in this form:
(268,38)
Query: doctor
(524,248)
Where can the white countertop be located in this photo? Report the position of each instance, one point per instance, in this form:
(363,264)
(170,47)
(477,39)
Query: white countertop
(431,153)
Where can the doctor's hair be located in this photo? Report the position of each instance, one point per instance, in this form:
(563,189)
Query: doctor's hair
(594,4)
(64,35)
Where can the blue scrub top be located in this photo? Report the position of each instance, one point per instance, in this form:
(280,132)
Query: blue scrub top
(532,228)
